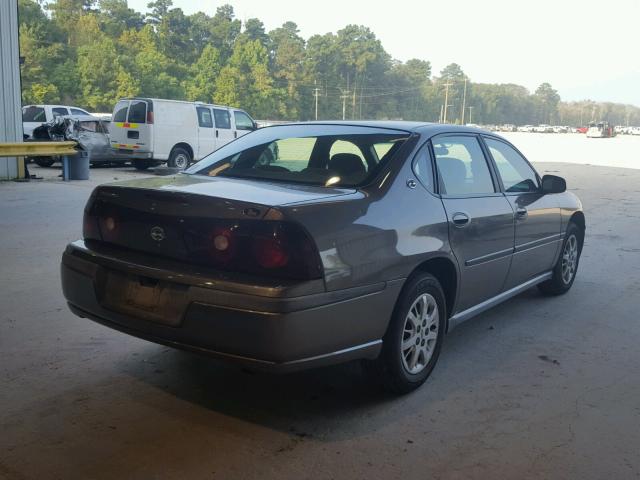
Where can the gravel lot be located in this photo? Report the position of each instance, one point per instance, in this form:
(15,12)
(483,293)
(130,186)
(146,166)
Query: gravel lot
(536,388)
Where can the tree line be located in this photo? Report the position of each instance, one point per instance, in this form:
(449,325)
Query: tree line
(90,53)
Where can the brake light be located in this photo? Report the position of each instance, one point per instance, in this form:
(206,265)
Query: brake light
(150,117)
(270,252)
(90,230)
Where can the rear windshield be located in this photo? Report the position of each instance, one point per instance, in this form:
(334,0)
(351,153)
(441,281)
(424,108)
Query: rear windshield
(120,111)
(33,114)
(328,155)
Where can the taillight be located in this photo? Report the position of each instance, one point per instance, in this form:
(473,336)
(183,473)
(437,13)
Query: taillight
(223,244)
(109,225)
(150,117)
(270,252)
(90,230)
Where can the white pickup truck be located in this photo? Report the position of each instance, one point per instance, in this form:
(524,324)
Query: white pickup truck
(35,115)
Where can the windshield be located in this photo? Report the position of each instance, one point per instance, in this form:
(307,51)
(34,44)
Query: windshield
(33,114)
(326,155)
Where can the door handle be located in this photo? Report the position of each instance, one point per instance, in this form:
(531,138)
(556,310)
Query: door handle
(460,219)
(216,133)
(521,212)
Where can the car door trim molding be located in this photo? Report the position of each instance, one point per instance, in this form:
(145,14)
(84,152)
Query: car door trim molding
(460,317)
(489,257)
(523,247)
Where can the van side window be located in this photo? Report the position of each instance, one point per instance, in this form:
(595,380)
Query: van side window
(77,111)
(204,117)
(57,111)
(243,121)
(223,119)
(120,111)
(138,112)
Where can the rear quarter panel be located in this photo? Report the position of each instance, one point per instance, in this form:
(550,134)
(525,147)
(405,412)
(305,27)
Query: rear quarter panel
(383,233)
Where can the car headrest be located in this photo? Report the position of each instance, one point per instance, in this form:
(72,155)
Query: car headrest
(347,164)
(454,174)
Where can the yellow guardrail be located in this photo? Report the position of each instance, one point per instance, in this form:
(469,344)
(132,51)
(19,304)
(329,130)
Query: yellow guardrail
(37,149)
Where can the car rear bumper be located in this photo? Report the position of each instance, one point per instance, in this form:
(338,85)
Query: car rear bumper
(278,329)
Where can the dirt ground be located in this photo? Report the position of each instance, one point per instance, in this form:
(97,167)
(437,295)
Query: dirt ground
(536,388)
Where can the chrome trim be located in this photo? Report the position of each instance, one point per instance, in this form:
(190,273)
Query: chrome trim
(489,257)
(538,243)
(460,317)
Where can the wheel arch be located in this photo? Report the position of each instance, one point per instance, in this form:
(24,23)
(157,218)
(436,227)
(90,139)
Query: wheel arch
(184,145)
(444,269)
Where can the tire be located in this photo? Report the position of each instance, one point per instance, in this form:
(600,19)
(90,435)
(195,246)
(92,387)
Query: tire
(566,268)
(397,367)
(142,164)
(45,161)
(179,158)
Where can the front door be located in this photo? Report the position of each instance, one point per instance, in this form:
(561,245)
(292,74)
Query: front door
(206,132)
(537,217)
(481,226)
(224,130)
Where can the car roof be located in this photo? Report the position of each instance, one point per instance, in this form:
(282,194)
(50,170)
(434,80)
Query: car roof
(423,128)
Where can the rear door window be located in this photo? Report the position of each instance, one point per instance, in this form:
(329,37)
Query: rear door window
(33,114)
(462,166)
(120,111)
(137,112)
(204,117)
(223,119)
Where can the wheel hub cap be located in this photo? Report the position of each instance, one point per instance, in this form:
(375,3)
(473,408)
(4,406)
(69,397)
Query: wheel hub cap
(569,259)
(420,333)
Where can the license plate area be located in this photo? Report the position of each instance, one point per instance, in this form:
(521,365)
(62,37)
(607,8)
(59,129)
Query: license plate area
(147,298)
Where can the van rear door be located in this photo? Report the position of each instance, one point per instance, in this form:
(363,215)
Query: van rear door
(131,125)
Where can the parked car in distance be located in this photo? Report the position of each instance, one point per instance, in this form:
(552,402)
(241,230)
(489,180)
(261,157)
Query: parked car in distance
(153,130)
(543,128)
(526,128)
(90,132)
(560,129)
(35,115)
(316,243)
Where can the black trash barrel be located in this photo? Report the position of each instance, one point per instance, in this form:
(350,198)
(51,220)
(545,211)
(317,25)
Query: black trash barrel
(79,165)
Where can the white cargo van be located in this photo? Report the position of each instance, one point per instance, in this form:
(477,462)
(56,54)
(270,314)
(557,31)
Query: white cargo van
(152,130)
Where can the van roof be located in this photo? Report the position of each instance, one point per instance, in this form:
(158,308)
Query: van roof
(181,101)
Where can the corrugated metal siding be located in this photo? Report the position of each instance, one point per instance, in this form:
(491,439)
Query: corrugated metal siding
(10,103)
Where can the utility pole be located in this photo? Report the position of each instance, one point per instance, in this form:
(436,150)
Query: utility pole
(470,108)
(440,117)
(316,94)
(446,101)
(344,96)
(464,101)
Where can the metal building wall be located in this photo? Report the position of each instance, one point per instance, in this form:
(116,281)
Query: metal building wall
(10,103)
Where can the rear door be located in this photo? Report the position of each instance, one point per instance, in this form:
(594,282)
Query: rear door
(206,132)
(537,216)
(223,128)
(138,129)
(118,132)
(480,217)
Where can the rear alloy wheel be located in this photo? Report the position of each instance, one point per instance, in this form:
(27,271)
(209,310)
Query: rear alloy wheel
(564,272)
(179,158)
(414,338)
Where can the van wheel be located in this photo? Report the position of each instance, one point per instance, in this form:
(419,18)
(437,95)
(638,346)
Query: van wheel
(45,161)
(179,158)
(142,164)
(414,338)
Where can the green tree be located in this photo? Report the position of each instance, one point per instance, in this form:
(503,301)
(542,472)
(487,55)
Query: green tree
(200,84)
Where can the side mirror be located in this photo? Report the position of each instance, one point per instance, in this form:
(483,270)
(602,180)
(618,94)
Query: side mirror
(553,184)
(255,125)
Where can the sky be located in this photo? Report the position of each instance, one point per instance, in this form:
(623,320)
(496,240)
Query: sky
(585,49)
